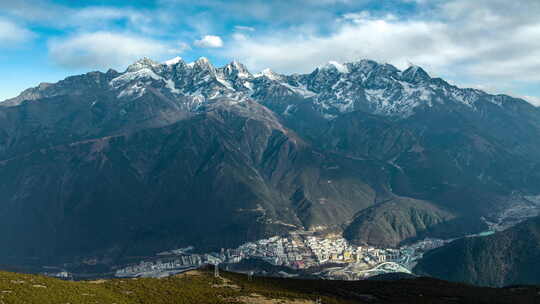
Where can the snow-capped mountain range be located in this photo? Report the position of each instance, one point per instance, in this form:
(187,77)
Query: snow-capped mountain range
(332,89)
(175,154)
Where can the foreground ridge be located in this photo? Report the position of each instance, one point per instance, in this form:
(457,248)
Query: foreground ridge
(201,286)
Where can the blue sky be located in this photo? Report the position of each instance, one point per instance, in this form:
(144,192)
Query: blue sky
(488,44)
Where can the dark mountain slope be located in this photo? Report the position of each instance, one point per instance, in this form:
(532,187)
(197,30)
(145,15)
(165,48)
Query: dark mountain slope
(505,258)
(214,180)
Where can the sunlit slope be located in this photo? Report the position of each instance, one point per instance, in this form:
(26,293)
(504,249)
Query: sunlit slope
(202,287)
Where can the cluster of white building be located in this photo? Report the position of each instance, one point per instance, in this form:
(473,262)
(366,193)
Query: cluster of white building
(156,267)
(296,251)
(301,251)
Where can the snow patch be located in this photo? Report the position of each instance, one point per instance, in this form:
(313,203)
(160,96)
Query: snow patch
(300,90)
(170,85)
(226,83)
(340,67)
(144,73)
(136,89)
(290,109)
(248,85)
(268,73)
(173,61)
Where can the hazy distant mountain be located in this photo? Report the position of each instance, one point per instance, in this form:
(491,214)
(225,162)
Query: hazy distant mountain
(113,165)
(509,257)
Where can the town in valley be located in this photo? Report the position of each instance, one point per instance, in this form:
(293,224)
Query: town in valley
(332,258)
(305,253)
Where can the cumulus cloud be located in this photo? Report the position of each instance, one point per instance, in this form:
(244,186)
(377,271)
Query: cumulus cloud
(102,50)
(12,34)
(209,41)
(364,37)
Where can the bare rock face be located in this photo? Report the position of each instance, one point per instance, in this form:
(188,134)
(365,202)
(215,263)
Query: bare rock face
(163,155)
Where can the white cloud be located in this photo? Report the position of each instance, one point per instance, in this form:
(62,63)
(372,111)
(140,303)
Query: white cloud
(239,37)
(104,17)
(209,41)
(102,50)
(12,34)
(380,39)
(107,13)
(87,18)
(265,13)
(182,47)
(244,28)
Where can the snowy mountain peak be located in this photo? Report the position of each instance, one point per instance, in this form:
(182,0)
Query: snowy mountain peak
(173,61)
(268,73)
(141,64)
(335,88)
(338,66)
(237,65)
(202,61)
(362,66)
(415,74)
(333,66)
(202,64)
(236,69)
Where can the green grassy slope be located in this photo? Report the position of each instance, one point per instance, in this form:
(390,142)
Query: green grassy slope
(194,287)
(202,287)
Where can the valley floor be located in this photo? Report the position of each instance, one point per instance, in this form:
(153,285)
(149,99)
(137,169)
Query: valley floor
(306,254)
